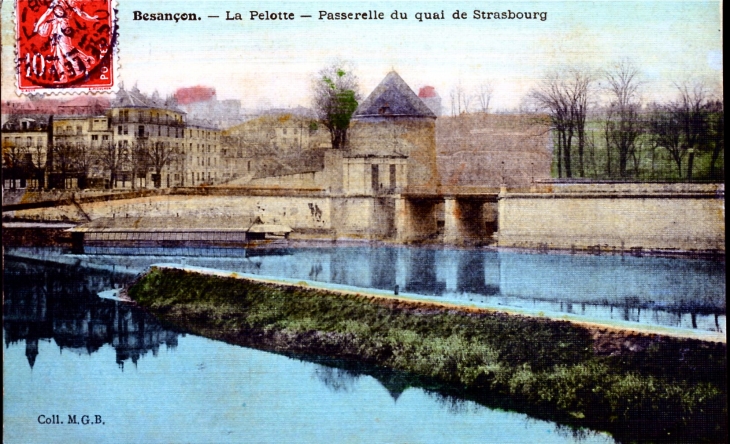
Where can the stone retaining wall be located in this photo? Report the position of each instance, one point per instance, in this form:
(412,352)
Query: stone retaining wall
(615,217)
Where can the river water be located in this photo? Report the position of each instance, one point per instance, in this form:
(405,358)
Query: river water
(70,353)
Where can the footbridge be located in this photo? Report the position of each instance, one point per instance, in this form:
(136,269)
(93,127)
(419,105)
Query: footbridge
(461,215)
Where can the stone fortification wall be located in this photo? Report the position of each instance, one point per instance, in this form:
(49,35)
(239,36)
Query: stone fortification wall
(410,136)
(313,179)
(615,216)
(311,216)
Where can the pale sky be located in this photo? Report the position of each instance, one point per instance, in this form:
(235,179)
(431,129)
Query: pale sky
(270,63)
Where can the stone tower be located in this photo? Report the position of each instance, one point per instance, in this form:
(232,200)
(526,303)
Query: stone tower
(393,122)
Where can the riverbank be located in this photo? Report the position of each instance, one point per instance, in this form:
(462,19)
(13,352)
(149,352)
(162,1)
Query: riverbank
(641,218)
(637,386)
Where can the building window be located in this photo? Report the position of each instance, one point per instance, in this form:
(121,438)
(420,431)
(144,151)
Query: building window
(374,173)
(392,177)
(126,129)
(94,137)
(119,130)
(104,137)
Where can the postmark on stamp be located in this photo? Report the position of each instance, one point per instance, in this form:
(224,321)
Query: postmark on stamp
(65,45)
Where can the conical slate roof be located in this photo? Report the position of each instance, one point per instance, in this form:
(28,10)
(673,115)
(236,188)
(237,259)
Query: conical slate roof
(393,98)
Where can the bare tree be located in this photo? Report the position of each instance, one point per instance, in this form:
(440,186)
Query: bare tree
(138,160)
(551,96)
(62,163)
(14,155)
(83,159)
(716,128)
(564,95)
(485,92)
(665,131)
(452,100)
(335,98)
(622,124)
(693,117)
(160,155)
(110,157)
(682,126)
(579,83)
(38,158)
(690,107)
(460,100)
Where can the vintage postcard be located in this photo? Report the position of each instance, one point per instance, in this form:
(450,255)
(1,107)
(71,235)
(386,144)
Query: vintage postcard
(363,222)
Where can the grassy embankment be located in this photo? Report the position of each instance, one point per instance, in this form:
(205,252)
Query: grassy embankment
(638,388)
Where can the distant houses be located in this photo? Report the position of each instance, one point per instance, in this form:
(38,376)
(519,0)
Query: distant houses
(397,142)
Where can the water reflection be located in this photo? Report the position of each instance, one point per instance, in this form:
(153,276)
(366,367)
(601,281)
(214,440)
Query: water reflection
(59,302)
(186,384)
(421,273)
(687,293)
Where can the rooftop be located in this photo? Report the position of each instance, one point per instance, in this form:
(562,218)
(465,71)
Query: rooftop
(393,98)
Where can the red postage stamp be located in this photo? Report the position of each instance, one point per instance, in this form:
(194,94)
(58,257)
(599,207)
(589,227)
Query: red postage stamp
(65,45)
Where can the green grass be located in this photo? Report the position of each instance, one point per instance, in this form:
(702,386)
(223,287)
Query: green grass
(673,389)
(653,164)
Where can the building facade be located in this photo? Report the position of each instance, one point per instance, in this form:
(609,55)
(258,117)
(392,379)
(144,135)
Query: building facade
(25,151)
(139,142)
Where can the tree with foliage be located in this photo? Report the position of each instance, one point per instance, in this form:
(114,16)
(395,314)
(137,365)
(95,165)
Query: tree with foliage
(335,99)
